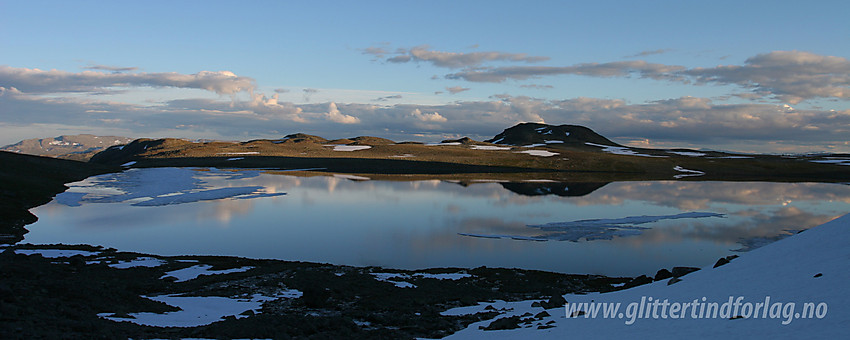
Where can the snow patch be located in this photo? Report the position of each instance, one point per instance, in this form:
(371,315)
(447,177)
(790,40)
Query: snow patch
(130,163)
(807,267)
(191,273)
(350,147)
(553,141)
(687,172)
(686,153)
(489,147)
(540,153)
(199,310)
(619,150)
(439,144)
(236,159)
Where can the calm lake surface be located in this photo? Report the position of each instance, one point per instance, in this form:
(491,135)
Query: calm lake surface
(420,224)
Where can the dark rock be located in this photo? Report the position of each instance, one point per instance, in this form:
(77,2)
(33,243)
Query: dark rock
(721,261)
(638,281)
(673,280)
(662,274)
(682,271)
(818,275)
(556,301)
(736,317)
(536,304)
(542,314)
(503,323)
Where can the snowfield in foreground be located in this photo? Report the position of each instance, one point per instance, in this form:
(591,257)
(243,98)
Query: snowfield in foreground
(810,267)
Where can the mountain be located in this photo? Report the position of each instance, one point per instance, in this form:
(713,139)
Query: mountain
(536,133)
(75,147)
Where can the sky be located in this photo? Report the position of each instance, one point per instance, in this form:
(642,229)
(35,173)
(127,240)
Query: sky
(748,76)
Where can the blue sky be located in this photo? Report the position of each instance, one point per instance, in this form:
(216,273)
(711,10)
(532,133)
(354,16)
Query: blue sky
(713,74)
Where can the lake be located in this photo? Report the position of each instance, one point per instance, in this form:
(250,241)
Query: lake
(617,229)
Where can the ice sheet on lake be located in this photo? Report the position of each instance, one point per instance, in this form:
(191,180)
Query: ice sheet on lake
(200,310)
(595,229)
(191,273)
(160,186)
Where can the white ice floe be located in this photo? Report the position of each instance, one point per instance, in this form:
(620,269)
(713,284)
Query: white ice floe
(352,177)
(350,147)
(620,150)
(540,153)
(55,253)
(130,163)
(191,273)
(439,144)
(148,262)
(687,172)
(159,186)
(397,278)
(686,153)
(489,147)
(594,229)
(236,159)
(807,268)
(200,310)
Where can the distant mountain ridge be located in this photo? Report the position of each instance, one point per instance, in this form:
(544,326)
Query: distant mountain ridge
(75,147)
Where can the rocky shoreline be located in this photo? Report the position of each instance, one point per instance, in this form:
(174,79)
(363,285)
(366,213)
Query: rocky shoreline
(81,291)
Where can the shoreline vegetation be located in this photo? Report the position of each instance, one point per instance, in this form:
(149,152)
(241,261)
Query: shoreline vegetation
(52,291)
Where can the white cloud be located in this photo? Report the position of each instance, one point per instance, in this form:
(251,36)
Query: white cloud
(428,117)
(336,116)
(55,81)
(457,89)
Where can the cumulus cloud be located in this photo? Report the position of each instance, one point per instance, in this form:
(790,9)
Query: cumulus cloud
(457,89)
(428,117)
(55,81)
(682,122)
(336,116)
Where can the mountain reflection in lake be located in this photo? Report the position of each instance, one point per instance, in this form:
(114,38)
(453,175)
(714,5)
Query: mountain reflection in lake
(350,220)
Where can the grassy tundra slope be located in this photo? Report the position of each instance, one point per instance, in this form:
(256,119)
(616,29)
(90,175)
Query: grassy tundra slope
(571,152)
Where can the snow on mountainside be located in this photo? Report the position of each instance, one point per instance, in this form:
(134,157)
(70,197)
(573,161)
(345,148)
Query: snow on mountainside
(76,147)
(773,282)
